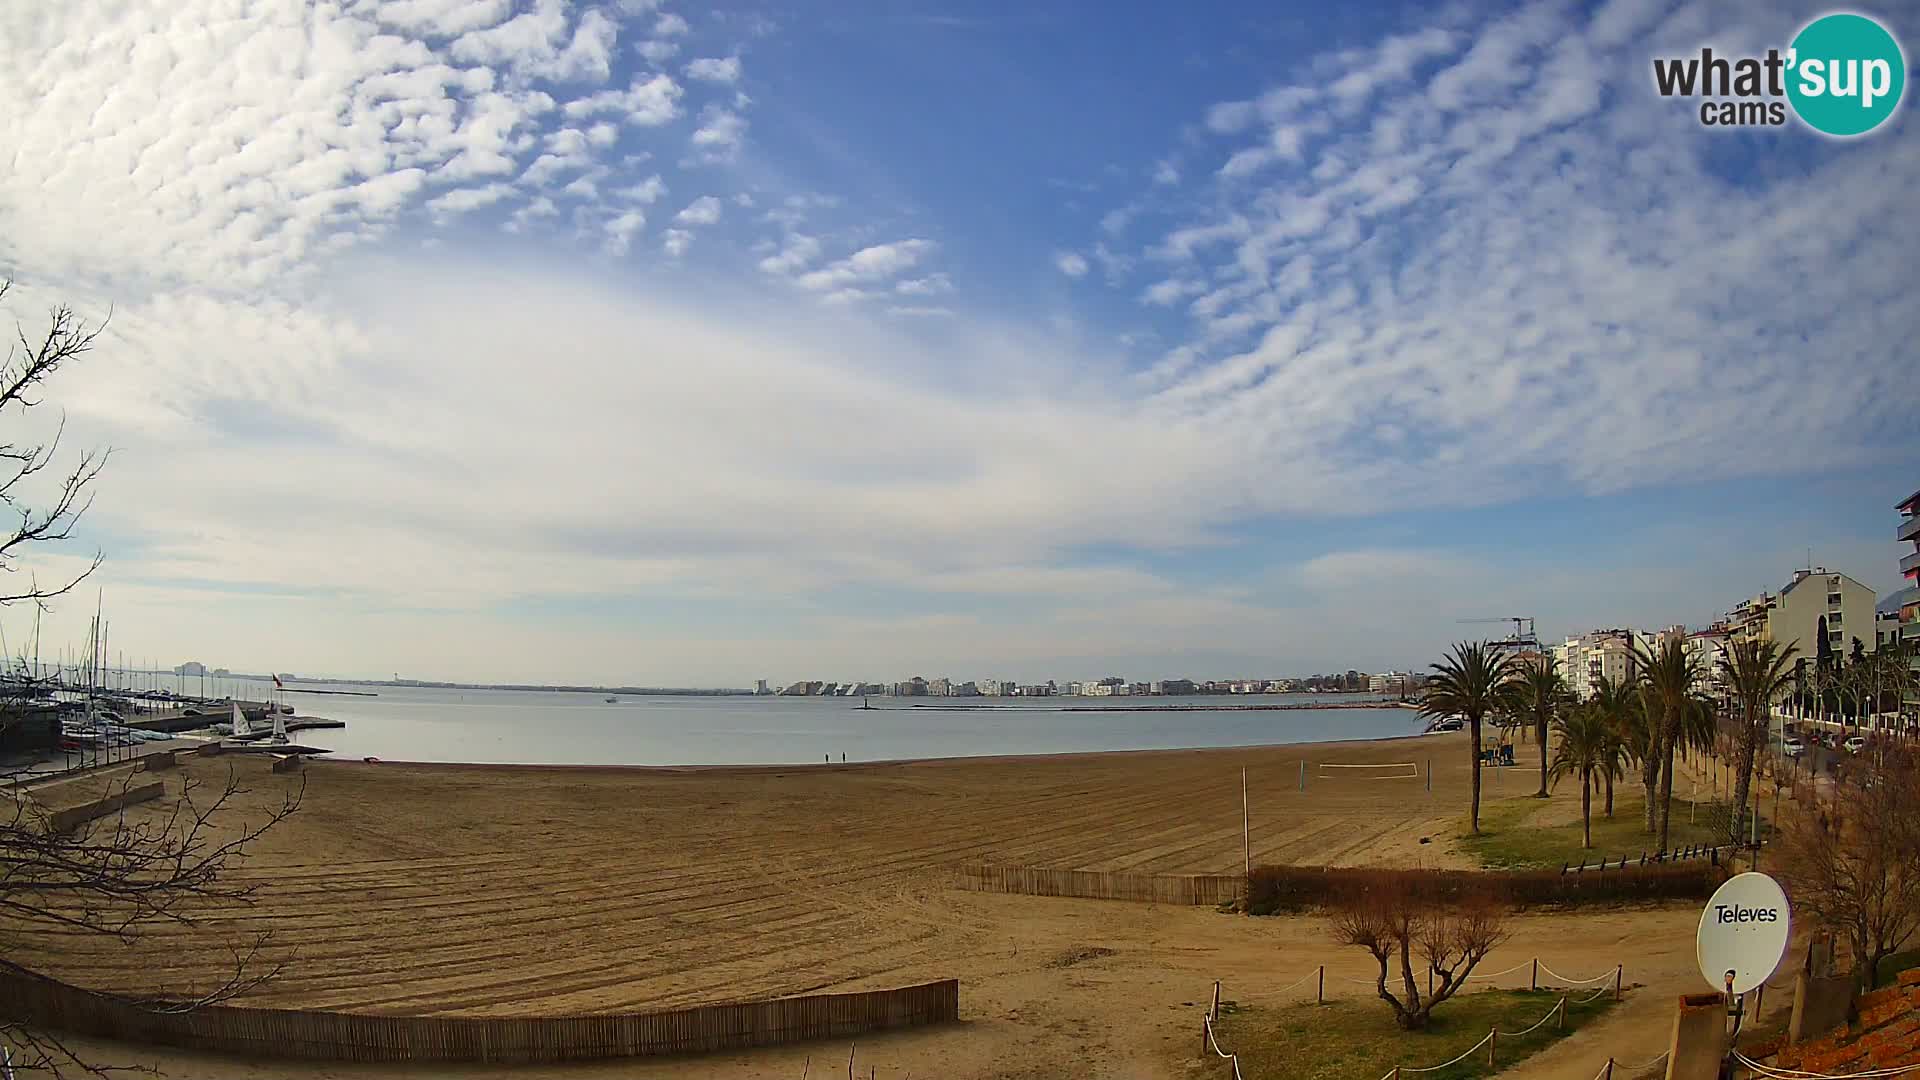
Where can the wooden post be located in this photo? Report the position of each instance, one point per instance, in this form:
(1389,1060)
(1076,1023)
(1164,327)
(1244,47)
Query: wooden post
(1213,1011)
(1562,1008)
(850,1063)
(1493,1041)
(1617,969)
(1609,1073)
(1536,974)
(1320,995)
(1303,774)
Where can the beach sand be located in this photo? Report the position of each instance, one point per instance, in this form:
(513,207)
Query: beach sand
(515,891)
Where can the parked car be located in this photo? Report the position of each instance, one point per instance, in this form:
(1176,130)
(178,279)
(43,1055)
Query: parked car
(1856,744)
(1793,748)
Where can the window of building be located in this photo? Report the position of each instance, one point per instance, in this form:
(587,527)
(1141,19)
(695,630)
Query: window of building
(1833,599)
(1833,619)
(1833,637)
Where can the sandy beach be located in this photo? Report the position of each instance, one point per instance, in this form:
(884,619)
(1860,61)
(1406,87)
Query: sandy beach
(450,890)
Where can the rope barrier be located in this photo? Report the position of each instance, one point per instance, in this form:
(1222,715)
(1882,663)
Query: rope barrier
(1551,1013)
(1232,1059)
(1469,1053)
(1646,1064)
(1509,971)
(1797,1074)
(1297,982)
(1575,982)
(1595,996)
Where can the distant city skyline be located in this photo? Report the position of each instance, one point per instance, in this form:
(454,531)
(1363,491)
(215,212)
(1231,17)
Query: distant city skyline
(658,343)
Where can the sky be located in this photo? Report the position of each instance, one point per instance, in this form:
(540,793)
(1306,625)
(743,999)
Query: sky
(643,342)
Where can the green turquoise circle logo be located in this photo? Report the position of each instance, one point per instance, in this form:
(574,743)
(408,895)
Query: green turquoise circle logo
(1845,74)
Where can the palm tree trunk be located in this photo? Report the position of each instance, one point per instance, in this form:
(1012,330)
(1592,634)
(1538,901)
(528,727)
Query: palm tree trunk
(1586,808)
(1473,725)
(1666,791)
(1540,734)
(1650,779)
(1609,779)
(1742,781)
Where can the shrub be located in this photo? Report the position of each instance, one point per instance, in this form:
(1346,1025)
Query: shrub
(1277,889)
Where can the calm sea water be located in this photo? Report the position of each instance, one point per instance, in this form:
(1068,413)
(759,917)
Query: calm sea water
(523,727)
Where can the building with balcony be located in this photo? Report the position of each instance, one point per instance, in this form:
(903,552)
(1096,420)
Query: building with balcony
(1597,655)
(1815,598)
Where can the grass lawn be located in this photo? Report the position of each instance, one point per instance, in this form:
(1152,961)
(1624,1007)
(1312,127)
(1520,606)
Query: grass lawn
(1356,1038)
(1509,840)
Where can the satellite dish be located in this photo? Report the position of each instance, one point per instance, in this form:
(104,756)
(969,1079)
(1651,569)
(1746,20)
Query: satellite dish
(1743,932)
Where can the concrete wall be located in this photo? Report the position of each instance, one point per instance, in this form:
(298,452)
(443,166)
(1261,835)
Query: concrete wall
(1699,1038)
(73,816)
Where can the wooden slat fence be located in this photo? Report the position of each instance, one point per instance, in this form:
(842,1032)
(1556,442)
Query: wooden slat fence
(1192,889)
(336,1036)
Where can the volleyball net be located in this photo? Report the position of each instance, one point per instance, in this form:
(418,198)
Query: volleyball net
(1392,770)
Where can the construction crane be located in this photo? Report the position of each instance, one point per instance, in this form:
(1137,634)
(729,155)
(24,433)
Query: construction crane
(1523,635)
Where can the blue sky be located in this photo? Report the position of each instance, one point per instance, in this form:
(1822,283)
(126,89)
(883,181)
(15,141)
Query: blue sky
(636,341)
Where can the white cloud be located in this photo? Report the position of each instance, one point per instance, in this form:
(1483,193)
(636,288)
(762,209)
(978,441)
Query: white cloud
(646,192)
(714,69)
(647,103)
(931,285)
(878,262)
(797,252)
(620,231)
(1070,263)
(461,200)
(670,26)
(704,210)
(545,43)
(658,51)
(1166,174)
(441,18)
(720,134)
(535,209)
(1446,296)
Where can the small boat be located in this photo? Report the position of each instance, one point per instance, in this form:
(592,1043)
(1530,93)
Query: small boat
(612,700)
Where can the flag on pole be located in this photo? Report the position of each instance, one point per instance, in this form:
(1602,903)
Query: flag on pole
(278,684)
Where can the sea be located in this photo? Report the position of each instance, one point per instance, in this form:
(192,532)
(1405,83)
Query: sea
(404,723)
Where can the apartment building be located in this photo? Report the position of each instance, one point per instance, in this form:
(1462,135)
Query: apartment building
(1600,654)
(1815,598)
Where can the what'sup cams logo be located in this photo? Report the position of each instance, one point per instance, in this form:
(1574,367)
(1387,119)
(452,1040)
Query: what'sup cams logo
(1843,75)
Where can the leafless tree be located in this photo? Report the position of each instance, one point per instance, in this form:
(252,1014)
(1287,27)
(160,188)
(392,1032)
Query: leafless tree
(119,875)
(1398,919)
(113,876)
(31,360)
(1851,859)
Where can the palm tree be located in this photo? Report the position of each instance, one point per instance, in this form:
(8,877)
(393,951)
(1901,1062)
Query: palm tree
(1472,682)
(1668,672)
(1616,704)
(1541,696)
(1585,748)
(1640,737)
(1756,673)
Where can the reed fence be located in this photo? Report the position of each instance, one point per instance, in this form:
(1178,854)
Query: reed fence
(1189,889)
(334,1036)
